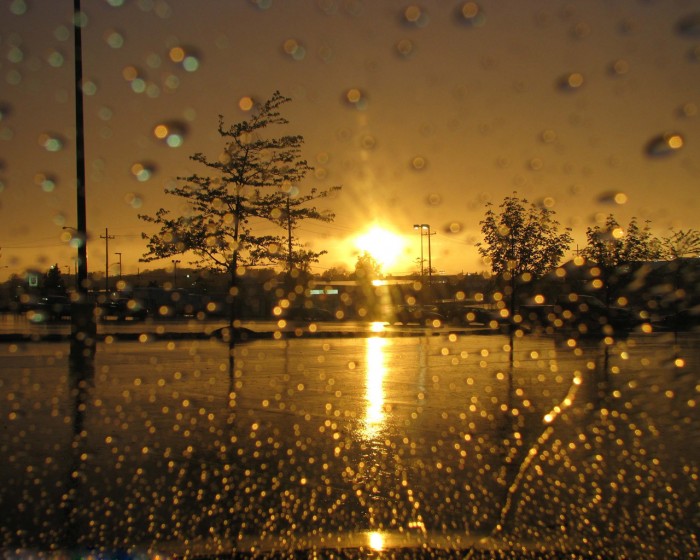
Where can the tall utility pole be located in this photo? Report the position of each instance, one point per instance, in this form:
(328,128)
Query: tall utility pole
(106,237)
(83,326)
(290,257)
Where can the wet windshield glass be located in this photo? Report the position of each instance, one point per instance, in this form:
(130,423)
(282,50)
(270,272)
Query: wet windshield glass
(376,278)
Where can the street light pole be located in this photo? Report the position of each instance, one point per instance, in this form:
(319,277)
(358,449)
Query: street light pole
(418,227)
(430,259)
(175,274)
(120,264)
(425,230)
(106,237)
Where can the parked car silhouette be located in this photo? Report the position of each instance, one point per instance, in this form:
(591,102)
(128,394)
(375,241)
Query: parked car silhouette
(422,314)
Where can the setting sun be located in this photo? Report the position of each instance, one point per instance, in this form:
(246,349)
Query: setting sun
(384,245)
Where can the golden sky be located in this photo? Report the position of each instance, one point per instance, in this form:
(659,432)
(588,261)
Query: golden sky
(423,112)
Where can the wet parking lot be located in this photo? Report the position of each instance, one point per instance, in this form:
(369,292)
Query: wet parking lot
(586,446)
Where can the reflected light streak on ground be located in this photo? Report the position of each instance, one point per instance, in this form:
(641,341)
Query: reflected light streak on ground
(374,395)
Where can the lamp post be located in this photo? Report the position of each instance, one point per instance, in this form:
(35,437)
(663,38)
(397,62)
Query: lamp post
(175,273)
(425,230)
(120,263)
(417,226)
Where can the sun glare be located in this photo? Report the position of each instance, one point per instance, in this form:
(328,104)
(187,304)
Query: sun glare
(385,246)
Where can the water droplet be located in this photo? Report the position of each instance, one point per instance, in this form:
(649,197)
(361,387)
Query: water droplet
(15,54)
(619,67)
(246,103)
(664,144)
(355,97)
(547,202)
(612,197)
(116,3)
(418,163)
(51,142)
(470,14)
(133,199)
(130,73)
(262,4)
(548,136)
(294,49)
(405,48)
(47,182)
(433,199)
(694,54)
(5,111)
(689,25)
(172,82)
(80,19)
(55,59)
(13,77)
(62,33)
(18,7)
(688,110)
(535,164)
(185,57)
(415,16)
(114,39)
(454,227)
(570,82)
(368,142)
(581,30)
(172,133)
(105,113)
(143,170)
(89,87)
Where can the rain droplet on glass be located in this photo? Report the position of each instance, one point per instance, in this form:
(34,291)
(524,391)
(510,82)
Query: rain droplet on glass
(55,59)
(294,49)
(368,142)
(171,133)
(470,14)
(133,199)
(51,142)
(548,136)
(619,67)
(185,57)
(688,110)
(664,144)
(433,199)
(18,7)
(355,98)
(415,16)
(89,87)
(114,39)
(418,163)
(405,48)
(5,110)
(143,171)
(689,25)
(570,82)
(47,182)
(612,197)
(246,103)
(694,54)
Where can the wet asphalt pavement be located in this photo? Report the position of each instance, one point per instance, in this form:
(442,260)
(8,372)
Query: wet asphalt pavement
(585,445)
